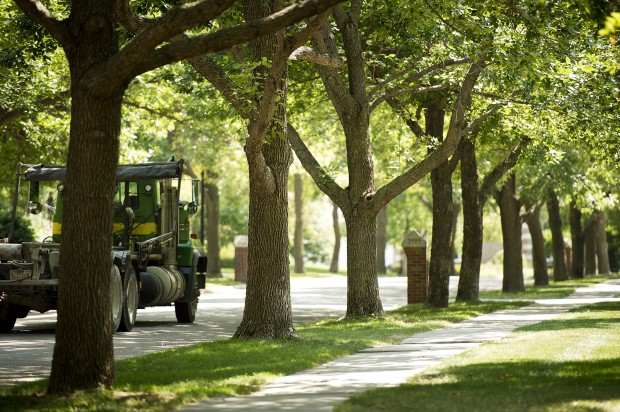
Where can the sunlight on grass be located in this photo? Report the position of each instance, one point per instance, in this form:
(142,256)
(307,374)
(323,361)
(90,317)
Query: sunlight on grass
(570,363)
(555,290)
(167,380)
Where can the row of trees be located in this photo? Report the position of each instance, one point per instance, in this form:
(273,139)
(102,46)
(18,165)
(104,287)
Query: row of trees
(416,87)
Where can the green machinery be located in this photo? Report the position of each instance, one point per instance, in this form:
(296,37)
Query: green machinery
(156,259)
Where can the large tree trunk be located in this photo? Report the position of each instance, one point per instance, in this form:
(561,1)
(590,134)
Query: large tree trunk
(577,240)
(362,282)
(267,313)
(511,231)
(214,262)
(469,278)
(589,234)
(381,239)
(441,251)
(539,255)
(298,238)
(560,272)
(333,267)
(84,353)
(602,249)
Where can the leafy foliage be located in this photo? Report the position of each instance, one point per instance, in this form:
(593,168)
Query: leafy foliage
(22,232)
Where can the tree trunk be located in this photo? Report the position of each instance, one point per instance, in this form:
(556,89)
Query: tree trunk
(469,278)
(511,231)
(333,267)
(381,240)
(577,240)
(267,313)
(440,265)
(560,271)
(539,255)
(456,210)
(602,249)
(589,235)
(362,282)
(212,203)
(298,239)
(84,353)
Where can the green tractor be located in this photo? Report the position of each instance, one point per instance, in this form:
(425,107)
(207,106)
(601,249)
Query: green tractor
(157,261)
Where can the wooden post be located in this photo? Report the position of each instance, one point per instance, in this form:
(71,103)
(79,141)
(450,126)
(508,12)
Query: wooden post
(414,245)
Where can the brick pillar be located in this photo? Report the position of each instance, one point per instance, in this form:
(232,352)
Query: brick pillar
(241,258)
(415,247)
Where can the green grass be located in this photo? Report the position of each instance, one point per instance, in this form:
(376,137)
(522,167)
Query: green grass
(167,380)
(568,364)
(555,290)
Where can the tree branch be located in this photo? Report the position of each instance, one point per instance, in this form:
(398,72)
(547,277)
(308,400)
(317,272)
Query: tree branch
(225,38)
(308,54)
(347,24)
(471,128)
(445,150)
(416,76)
(330,76)
(203,64)
(37,12)
(501,169)
(164,28)
(315,170)
(413,90)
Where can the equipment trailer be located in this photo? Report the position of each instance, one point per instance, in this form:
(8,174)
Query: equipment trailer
(156,262)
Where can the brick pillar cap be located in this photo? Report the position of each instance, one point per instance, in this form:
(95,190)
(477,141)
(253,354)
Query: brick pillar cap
(414,238)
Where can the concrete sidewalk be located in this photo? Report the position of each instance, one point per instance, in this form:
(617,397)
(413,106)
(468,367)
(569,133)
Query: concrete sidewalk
(321,388)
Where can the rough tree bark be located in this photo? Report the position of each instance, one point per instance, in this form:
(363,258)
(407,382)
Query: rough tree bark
(475,196)
(83,353)
(298,237)
(333,267)
(589,235)
(602,249)
(442,236)
(560,271)
(511,232)
(267,312)
(469,277)
(382,220)
(212,203)
(539,255)
(577,240)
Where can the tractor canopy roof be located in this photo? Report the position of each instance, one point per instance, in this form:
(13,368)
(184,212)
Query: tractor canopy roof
(163,170)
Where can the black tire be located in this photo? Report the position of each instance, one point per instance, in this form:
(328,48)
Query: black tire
(130,302)
(116,297)
(186,311)
(6,325)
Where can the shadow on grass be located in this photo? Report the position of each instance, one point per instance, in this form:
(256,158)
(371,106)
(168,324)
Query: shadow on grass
(511,386)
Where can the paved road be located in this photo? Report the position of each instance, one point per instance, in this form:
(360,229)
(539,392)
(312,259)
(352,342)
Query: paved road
(26,354)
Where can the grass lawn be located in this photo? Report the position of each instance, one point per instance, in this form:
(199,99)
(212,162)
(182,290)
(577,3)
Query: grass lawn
(167,380)
(568,364)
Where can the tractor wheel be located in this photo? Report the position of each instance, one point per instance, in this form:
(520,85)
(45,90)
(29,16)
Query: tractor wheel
(130,303)
(116,297)
(186,311)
